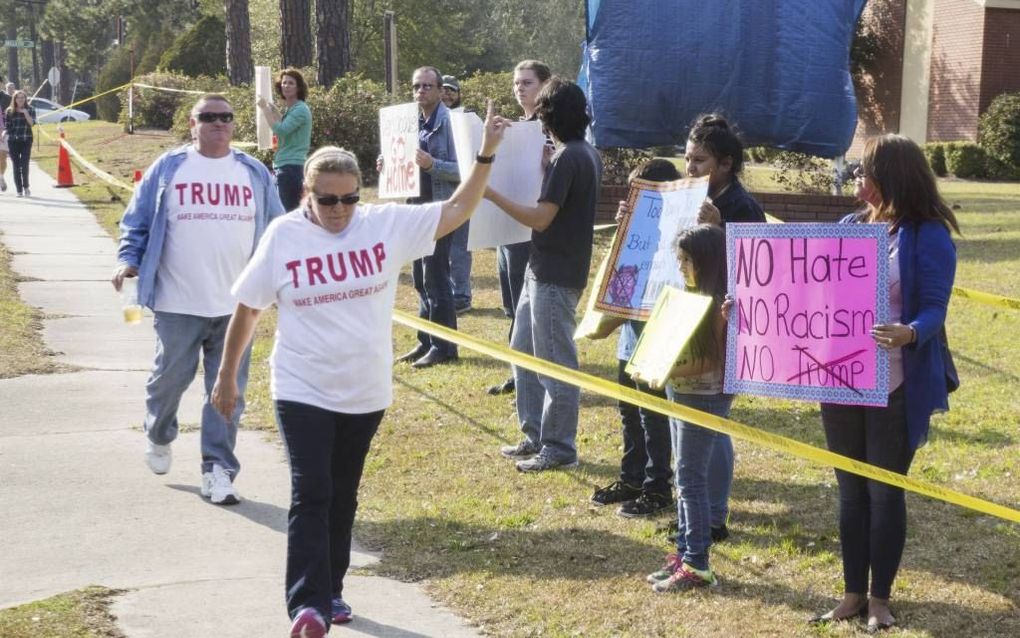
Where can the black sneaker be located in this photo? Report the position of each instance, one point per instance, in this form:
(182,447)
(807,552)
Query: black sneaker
(523,450)
(646,505)
(719,534)
(618,492)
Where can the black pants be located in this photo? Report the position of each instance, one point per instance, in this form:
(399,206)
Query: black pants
(872,515)
(327,454)
(646,443)
(21,153)
(431,276)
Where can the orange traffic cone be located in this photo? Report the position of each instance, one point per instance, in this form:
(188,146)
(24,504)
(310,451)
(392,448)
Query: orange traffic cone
(65,178)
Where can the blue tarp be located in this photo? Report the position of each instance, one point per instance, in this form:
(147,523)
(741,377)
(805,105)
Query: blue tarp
(778,69)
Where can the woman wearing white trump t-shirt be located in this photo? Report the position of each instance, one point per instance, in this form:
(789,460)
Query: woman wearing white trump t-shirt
(331,268)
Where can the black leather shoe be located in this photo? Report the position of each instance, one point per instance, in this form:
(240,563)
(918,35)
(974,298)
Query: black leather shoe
(413,355)
(433,357)
(507,387)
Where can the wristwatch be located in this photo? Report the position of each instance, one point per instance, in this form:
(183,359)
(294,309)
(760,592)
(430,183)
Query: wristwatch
(482,159)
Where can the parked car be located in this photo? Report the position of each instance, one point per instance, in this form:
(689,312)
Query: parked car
(47,111)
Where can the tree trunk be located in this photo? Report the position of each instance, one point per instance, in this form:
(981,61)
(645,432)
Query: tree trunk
(239,65)
(332,39)
(13,72)
(48,63)
(296,33)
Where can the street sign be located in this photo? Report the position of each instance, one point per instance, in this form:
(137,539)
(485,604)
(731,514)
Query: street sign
(19,44)
(54,76)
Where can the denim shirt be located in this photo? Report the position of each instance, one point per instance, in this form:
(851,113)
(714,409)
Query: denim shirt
(144,224)
(445,173)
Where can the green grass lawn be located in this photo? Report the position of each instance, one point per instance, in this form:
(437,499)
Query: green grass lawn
(527,555)
(79,614)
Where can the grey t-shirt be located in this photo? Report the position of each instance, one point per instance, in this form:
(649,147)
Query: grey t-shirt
(561,254)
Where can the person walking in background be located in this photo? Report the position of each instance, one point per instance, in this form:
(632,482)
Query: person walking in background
(332,363)
(643,488)
(896,183)
(460,256)
(562,226)
(19,118)
(512,259)
(5,101)
(293,129)
(438,175)
(187,233)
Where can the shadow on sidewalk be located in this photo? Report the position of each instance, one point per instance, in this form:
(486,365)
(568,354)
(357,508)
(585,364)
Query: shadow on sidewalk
(272,516)
(372,628)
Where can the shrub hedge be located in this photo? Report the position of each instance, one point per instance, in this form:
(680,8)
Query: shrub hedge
(935,153)
(999,129)
(966,160)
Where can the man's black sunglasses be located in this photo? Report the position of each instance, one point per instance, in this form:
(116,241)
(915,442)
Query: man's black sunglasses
(333,200)
(209,117)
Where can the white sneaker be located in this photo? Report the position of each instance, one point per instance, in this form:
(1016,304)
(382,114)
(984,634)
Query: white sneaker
(28,193)
(158,457)
(216,486)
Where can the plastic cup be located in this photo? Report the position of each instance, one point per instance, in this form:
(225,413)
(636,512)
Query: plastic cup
(129,301)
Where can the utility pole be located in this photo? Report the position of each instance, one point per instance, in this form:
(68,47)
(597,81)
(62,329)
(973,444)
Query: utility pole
(390,51)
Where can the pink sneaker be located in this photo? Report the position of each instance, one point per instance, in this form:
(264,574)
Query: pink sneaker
(308,624)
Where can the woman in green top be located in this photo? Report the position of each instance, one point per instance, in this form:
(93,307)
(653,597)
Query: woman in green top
(293,129)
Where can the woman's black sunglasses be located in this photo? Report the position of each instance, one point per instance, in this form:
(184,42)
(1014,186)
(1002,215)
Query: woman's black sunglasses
(333,200)
(209,118)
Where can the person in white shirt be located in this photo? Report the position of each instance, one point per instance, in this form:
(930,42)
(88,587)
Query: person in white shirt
(331,268)
(191,225)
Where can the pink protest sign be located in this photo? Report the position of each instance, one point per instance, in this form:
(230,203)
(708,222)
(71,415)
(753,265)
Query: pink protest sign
(805,299)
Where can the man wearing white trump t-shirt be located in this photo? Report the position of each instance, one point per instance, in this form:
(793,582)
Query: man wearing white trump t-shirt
(187,233)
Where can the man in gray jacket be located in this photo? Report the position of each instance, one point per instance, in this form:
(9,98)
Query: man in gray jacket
(191,225)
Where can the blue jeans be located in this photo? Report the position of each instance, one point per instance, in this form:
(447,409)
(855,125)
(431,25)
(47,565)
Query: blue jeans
(431,276)
(289,184)
(327,453)
(544,327)
(720,479)
(460,265)
(179,339)
(511,262)
(646,441)
(692,448)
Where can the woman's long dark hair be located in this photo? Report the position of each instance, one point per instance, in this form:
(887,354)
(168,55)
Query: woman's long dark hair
(705,244)
(906,182)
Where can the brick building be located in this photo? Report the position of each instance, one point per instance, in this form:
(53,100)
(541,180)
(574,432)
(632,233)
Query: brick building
(939,65)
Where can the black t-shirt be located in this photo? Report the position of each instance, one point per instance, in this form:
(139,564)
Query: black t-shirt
(5,100)
(561,254)
(737,205)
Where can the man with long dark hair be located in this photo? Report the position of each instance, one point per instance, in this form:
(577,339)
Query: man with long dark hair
(561,245)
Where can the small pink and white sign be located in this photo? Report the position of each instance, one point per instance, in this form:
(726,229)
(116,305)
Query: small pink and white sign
(805,299)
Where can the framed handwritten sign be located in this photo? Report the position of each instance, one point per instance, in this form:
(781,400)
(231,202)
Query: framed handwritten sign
(805,299)
(643,262)
(398,139)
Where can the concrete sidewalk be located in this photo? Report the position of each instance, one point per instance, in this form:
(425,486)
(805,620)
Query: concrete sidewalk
(79,505)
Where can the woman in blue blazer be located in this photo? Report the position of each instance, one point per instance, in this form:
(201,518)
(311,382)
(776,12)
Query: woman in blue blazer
(896,183)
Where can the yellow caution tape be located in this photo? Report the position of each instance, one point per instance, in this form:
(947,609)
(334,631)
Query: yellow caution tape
(712,422)
(987,298)
(165,88)
(84,163)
